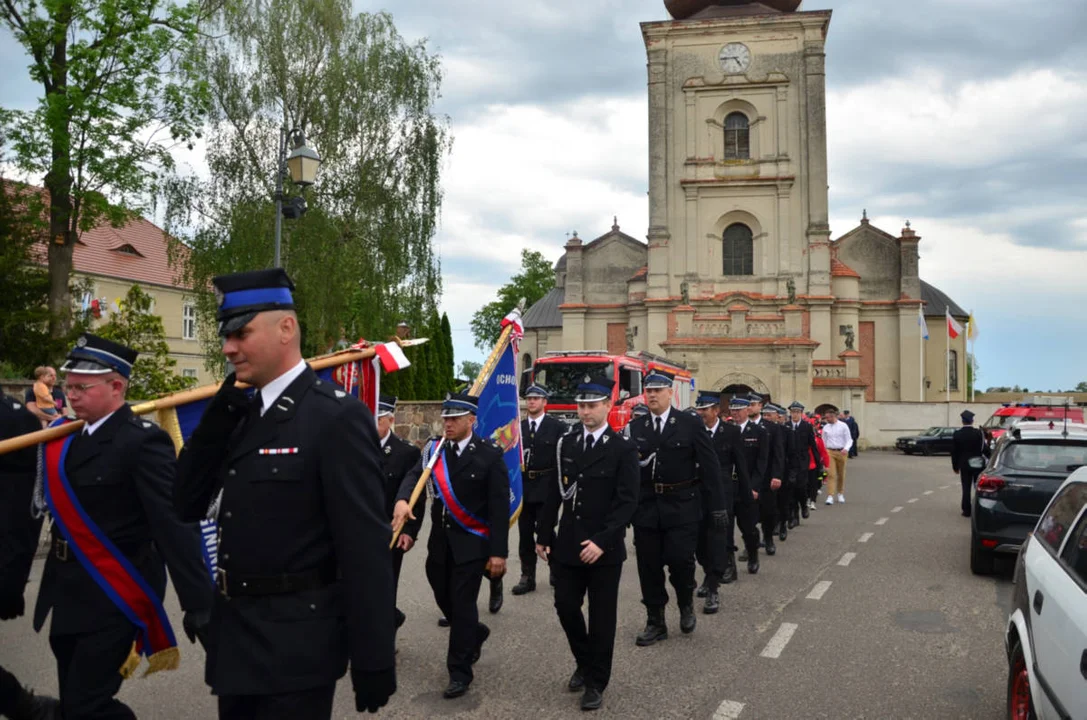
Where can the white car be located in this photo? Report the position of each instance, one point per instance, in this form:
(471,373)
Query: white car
(1046,636)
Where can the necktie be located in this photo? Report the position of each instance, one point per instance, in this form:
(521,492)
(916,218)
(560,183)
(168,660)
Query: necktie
(456,450)
(532,427)
(256,405)
(658,426)
(589,442)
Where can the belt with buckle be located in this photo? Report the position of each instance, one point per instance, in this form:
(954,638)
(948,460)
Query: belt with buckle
(62,551)
(665,488)
(533,474)
(232,585)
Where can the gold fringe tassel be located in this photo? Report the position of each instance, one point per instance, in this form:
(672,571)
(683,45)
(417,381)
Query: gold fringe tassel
(130,664)
(168,659)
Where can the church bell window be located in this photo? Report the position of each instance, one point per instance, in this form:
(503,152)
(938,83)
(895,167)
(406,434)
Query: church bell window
(738,250)
(737,137)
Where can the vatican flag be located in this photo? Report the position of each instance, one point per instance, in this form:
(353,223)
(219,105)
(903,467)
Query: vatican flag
(971,328)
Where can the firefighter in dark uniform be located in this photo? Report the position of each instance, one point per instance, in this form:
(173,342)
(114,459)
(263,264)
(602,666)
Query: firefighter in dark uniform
(756,451)
(598,494)
(304,579)
(768,498)
(802,449)
(121,471)
(540,435)
(458,555)
(676,455)
(19,532)
(967,446)
(775,415)
(397,459)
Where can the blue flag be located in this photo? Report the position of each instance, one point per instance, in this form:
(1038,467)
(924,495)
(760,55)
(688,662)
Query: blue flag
(499,420)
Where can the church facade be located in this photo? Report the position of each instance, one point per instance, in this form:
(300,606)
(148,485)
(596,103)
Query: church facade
(740,278)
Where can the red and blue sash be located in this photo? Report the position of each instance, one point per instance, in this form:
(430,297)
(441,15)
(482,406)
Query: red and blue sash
(460,514)
(109,568)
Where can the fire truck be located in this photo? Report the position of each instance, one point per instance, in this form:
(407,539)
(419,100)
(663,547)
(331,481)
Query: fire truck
(1039,407)
(561,372)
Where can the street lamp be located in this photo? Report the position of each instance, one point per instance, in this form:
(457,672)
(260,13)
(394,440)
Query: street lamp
(302,166)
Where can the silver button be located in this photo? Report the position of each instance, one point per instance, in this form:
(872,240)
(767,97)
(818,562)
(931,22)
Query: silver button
(227,515)
(313,607)
(232,472)
(226,556)
(275,470)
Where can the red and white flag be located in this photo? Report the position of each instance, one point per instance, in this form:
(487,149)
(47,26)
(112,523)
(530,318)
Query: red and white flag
(954,329)
(392,357)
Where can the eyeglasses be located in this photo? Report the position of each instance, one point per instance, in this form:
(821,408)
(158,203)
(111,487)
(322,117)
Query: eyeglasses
(80,388)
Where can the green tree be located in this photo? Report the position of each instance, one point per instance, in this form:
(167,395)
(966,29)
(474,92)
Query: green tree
(117,94)
(362,255)
(532,282)
(24,313)
(447,356)
(1081,387)
(135,326)
(469,370)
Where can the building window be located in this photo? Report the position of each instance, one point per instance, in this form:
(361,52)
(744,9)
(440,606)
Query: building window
(188,373)
(737,137)
(953,370)
(738,250)
(188,322)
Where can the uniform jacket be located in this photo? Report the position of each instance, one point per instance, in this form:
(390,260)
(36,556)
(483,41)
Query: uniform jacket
(778,448)
(607,495)
(730,454)
(802,448)
(321,505)
(481,483)
(398,457)
(681,453)
(18,530)
(540,452)
(756,451)
(123,476)
(967,442)
(854,428)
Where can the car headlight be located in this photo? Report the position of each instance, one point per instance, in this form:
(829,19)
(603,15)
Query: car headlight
(911,442)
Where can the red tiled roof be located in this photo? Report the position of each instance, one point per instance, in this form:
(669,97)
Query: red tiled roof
(136,251)
(840,269)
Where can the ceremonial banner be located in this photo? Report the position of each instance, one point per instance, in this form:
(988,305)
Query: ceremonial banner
(499,420)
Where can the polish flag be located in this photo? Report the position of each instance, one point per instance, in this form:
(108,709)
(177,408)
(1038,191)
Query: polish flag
(954,329)
(392,357)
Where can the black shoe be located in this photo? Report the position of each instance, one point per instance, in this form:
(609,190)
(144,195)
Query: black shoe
(793,522)
(966,513)
(29,706)
(496,596)
(526,585)
(743,555)
(783,533)
(771,548)
(592,699)
(483,633)
(804,511)
(577,681)
(713,603)
(687,618)
(400,618)
(703,590)
(753,566)
(655,629)
(443,621)
(729,575)
(455,689)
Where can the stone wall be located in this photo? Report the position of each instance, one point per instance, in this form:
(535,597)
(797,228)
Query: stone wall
(883,422)
(418,421)
(15,388)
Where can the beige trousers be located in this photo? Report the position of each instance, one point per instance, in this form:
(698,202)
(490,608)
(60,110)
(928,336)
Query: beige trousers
(836,472)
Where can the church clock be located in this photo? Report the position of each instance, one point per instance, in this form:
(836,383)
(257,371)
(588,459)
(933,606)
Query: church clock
(734,57)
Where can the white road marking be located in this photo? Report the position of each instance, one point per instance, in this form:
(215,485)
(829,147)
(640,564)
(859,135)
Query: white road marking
(866,537)
(912,500)
(944,487)
(897,508)
(781,638)
(928,492)
(882,521)
(728,710)
(846,559)
(819,590)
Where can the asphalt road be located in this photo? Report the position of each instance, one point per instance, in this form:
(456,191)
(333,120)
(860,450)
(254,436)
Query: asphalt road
(869,610)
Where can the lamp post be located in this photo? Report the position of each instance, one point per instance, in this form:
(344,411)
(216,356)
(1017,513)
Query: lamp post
(301,164)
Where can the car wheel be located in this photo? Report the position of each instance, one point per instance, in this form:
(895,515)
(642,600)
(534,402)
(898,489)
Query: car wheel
(982,561)
(926,450)
(1020,704)
(908,452)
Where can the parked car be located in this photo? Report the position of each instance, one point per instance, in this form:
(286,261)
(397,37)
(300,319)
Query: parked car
(934,440)
(1046,635)
(1027,466)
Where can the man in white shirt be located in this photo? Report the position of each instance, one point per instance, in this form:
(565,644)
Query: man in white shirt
(837,438)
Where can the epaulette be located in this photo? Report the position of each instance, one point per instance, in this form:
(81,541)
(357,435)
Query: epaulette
(141,423)
(330,390)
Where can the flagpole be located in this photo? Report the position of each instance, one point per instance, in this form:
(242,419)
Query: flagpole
(921,326)
(184,397)
(477,387)
(947,360)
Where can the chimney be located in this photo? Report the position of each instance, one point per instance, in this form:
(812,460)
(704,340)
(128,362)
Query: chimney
(908,262)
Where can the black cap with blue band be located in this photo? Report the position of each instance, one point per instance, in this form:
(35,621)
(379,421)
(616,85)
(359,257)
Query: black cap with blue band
(93,355)
(243,295)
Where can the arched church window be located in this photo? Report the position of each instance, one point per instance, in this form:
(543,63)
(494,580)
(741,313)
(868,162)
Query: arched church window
(738,250)
(737,137)
(953,370)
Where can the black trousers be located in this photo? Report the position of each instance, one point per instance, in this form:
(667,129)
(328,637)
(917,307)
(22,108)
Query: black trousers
(814,484)
(768,511)
(967,476)
(594,645)
(10,692)
(456,588)
(526,544)
(712,549)
(785,501)
(746,514)
(672,547)
(315,704)
(87,671)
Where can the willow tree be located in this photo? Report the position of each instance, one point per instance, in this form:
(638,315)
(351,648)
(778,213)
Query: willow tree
(362,255)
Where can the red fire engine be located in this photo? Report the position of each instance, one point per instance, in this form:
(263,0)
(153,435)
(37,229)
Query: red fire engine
(1040,407)
(561,372)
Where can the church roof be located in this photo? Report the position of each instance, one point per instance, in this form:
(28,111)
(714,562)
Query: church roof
(937,302)
(840,269)
(545,312)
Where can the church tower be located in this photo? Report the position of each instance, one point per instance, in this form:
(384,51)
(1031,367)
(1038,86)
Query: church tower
(738,179)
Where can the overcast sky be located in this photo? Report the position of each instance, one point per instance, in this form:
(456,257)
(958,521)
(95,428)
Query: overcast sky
(966,117)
